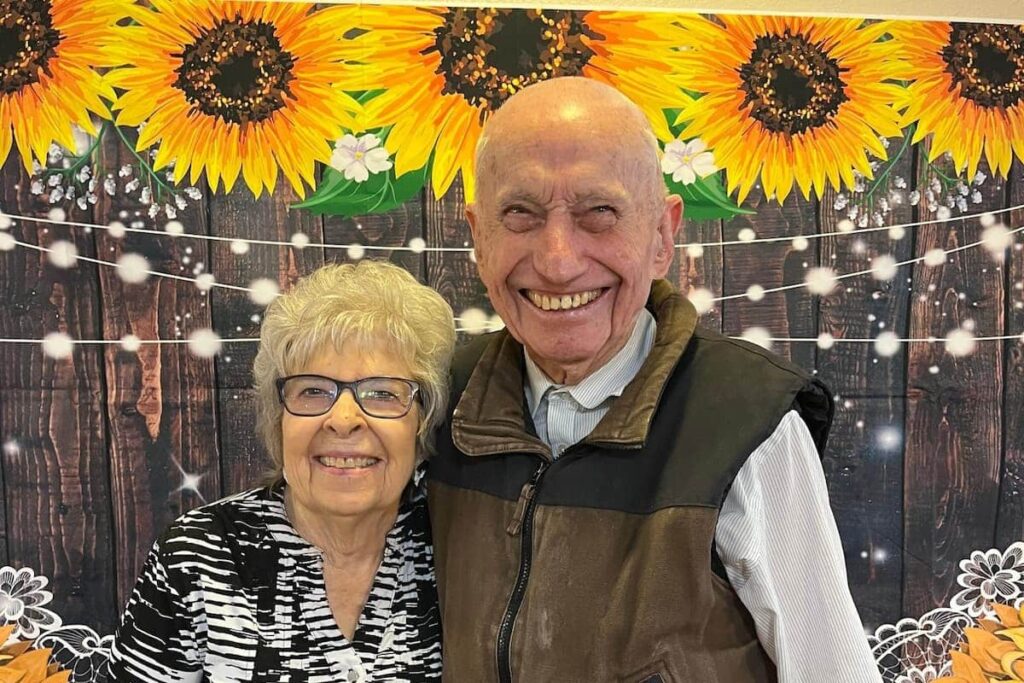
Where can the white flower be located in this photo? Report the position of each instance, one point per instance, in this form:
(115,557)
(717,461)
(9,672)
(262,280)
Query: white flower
(21,602)
(357,158)
(78,649)
(990,577)
(915,675)
(687,160)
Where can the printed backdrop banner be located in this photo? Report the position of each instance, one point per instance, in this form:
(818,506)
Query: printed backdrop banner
(854,198)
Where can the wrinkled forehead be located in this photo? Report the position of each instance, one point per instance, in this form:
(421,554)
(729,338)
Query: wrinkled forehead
(565,166)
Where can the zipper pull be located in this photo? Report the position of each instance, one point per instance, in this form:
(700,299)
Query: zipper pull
(525,496)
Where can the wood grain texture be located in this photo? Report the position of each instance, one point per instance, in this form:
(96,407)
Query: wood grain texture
(239,215)
(954,412)
(691,272)
(55,473)
(863,467)
(394,228)
(160,406)
(791,313)
(1010,527)
(453,274)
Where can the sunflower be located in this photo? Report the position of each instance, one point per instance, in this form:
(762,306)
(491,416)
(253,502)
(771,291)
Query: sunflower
(445,70)
(235,87)
(968,90)
(47,83)
(791,99)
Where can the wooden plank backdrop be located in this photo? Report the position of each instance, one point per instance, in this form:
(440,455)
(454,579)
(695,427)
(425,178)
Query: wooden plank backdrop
(103,449)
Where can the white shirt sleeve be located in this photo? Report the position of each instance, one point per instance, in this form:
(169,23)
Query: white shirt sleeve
(778,541)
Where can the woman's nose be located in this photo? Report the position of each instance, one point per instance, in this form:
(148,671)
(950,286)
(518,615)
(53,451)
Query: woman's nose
(345,416)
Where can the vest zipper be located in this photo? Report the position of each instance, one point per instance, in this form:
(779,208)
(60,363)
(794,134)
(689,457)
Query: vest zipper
(522,522)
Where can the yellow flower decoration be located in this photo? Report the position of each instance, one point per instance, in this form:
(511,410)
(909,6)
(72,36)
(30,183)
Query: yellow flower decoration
(994,652)
(236,87)
(445,70)
(47,80)
(968,90)
(19,663)
(790,99)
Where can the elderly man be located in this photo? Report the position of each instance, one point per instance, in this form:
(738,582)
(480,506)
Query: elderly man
(621,495)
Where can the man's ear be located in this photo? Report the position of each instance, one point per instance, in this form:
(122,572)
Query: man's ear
(668,228)
(472,218)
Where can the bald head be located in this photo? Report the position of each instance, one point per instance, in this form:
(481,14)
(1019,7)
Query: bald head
(563,111)
(571,221)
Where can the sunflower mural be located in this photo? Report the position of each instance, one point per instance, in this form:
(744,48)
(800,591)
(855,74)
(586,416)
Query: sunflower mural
(791,100)
(967,91)
(365,105)
(234,88)
(48,51)
(432,76)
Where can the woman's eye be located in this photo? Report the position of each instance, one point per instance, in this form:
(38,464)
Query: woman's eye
(380,396)
(313,392)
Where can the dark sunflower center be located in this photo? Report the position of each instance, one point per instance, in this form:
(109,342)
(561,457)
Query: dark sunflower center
(28,41)
(237,71)
(489,54)
(790,84)
(987,62)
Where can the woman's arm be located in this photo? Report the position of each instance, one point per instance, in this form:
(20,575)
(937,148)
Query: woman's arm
(159,639)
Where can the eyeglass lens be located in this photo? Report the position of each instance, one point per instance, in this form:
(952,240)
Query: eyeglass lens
(310,395)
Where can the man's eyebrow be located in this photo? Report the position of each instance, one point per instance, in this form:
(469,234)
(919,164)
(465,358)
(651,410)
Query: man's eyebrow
(506,198)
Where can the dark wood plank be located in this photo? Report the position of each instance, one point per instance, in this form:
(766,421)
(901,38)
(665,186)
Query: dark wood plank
(1010,527)
(954,412)
(55,472)
(791,313)
(453,274)
(394,228)
(690,271)
(863,463)
(239,215)
(863,470)
(161,408)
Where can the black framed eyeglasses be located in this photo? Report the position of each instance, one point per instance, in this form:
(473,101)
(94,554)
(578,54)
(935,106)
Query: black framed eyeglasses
(314,395)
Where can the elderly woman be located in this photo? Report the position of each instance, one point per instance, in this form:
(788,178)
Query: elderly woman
(326,573)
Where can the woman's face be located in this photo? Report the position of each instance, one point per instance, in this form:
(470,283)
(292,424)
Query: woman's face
(346,463)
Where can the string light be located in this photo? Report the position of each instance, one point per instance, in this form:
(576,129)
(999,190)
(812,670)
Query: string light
(417,245)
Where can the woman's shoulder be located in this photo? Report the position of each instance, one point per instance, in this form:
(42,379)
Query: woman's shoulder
(242,518)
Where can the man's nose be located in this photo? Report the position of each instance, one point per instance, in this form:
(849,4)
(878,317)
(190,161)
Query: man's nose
(558,256)
(345,416)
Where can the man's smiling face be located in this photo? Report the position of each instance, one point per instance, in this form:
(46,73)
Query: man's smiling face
(570,227)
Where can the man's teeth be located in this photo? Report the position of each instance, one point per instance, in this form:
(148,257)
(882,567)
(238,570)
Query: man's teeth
(347,463)
(564,302)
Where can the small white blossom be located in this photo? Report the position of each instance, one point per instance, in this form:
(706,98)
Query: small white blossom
(686,161)
(358,157)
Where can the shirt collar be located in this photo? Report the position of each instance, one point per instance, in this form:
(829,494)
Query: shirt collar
(609,380)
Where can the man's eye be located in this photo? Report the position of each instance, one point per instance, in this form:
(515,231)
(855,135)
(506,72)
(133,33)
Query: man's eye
(519,218)
(604,208)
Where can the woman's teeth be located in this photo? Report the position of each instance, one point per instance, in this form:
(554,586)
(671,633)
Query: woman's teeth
(347,463)
(562,303)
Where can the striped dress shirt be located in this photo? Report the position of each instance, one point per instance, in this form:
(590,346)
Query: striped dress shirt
(782,553)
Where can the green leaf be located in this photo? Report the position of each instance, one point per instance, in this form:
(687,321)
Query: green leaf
(337,196)
(705,198)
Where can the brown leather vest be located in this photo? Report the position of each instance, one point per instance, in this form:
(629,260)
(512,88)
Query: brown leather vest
(600,565)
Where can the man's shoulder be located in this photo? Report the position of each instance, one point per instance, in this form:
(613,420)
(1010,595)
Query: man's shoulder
(468,354)
(707,342)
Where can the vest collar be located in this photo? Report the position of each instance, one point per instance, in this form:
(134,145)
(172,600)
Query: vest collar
(490,417)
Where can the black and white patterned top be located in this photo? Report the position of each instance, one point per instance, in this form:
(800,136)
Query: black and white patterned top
(232,593)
